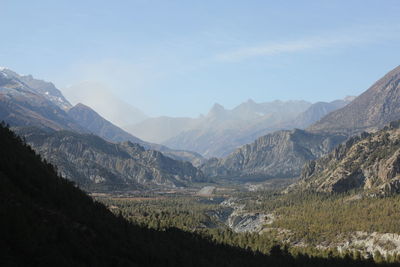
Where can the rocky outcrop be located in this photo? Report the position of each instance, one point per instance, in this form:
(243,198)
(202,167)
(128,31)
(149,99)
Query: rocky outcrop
(95,164)
(236,218)
(369,162)
(280,154)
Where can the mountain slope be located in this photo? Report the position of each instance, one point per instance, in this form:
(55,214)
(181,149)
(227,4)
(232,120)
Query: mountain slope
(22,105)
(25,101)
(91,120)
(373,109)
(108,105)
(40,87)
(370,162)
(317,111)
(279,154)
(99,165)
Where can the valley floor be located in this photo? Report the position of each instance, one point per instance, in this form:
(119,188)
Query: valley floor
(316,224)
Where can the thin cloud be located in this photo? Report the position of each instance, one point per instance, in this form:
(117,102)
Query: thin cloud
(331,41)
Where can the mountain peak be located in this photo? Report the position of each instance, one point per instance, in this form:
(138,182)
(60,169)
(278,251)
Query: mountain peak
(374,108)
(250,101)
(216,110)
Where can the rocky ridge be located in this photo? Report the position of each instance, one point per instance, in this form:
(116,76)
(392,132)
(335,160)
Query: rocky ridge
(372,110)
(280,154)
(96,164)
(368,162)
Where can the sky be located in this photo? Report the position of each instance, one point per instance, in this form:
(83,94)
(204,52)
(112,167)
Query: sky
(178,58)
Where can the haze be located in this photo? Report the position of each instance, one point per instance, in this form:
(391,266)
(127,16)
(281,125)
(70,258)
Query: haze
(177,58)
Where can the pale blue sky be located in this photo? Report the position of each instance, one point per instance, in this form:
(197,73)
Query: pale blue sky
(179,57)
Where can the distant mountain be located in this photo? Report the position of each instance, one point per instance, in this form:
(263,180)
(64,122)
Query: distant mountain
(284,152)
(221,131)
(377,106)
(108,105)
(96,164)
(315,112)
(279,154)
(369,162)
(25,101)
(94,123)
(21,104)
(40,87)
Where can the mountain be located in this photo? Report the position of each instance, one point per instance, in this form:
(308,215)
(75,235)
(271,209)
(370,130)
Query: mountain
(221,131)
(25,101)
(21,104)
(107,104)
(279,154)
(373,109)
(40,87)
(94,123)
(315,112)
(283,153)
(369,162)
(96,164)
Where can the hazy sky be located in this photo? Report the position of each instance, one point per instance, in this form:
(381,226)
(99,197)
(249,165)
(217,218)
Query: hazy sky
(179,57)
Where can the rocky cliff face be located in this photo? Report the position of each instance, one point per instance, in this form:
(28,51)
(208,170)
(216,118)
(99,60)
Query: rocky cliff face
(96,164)
(280,154)
(369,162)
(373,109)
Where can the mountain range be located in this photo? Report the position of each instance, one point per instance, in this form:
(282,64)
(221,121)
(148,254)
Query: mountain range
(283,153)
(97,154)
(96,164)
(38,110)
(221,131)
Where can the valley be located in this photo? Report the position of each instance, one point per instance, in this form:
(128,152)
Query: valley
(315,224)
(200,133)
(322,191)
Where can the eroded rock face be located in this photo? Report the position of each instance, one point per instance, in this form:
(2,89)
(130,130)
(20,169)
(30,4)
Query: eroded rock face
(369,161)
(239,220)
(95,163)
(280,154)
